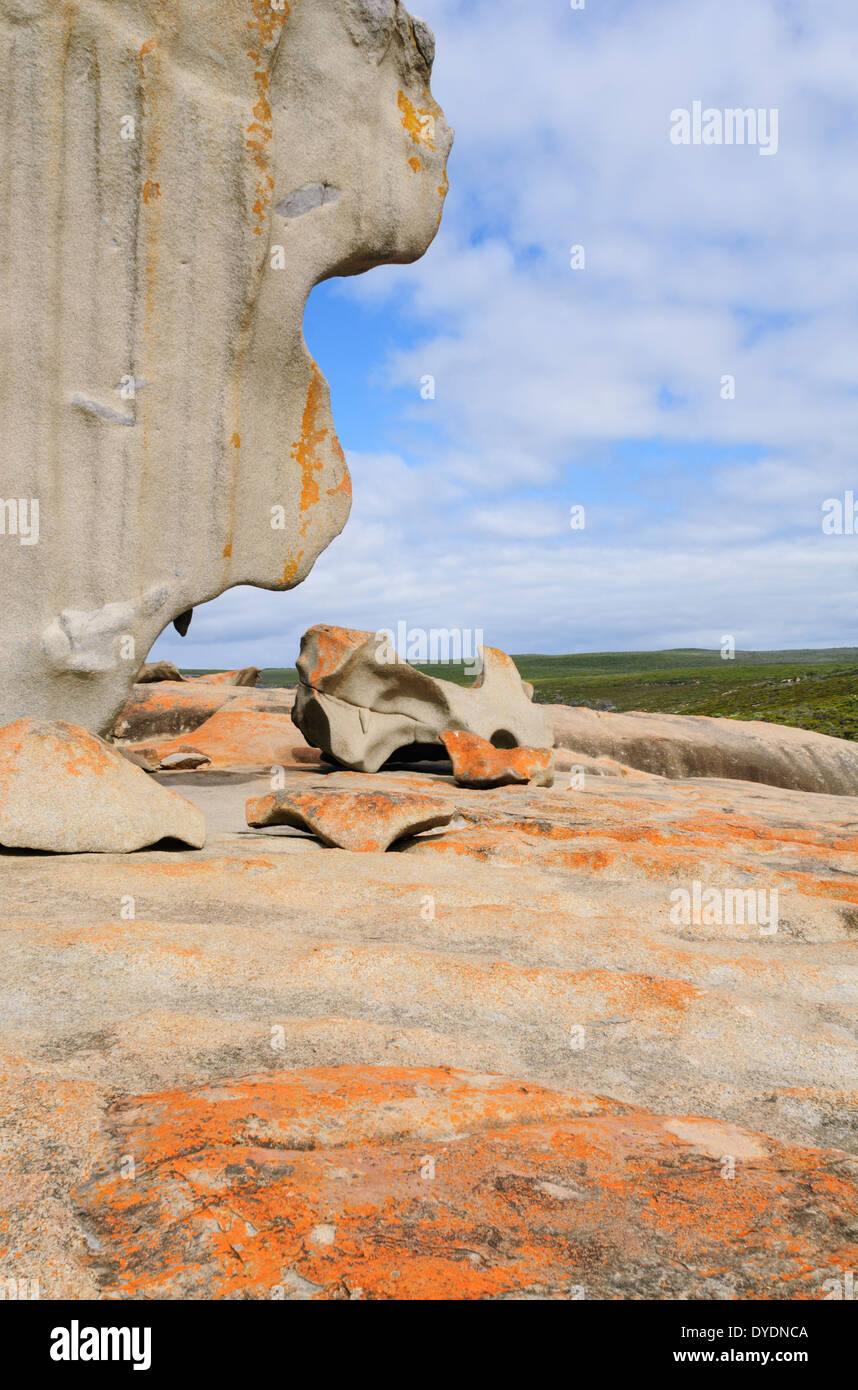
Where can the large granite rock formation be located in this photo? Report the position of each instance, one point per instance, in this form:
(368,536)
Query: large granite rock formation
(360,702)
(176,177)
(678,745)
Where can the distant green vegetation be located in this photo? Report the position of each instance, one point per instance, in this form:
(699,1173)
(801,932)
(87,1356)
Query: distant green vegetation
(810,689)
(279,675)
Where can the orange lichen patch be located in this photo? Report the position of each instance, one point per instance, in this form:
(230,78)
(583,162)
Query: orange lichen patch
(233,738)
(148,47)
(415,163)
(202,870)
(265,25)
(227,551)
(644,997)
(74,751)
(326,1107)
(444,185)
(819,886)
(432,1184)
(305,451)
(236,441)
(139,937)
(729,826)
(476,763)
(151,191)
(329,647)
(667,839)
(154,704)
(337,450)
(245,676)
(167,708)
(418,121)
(343,486)
(364,822)
(290,569)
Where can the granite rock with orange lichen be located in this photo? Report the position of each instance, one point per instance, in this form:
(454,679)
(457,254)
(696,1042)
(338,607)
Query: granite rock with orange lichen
(492,1063)
(166,709)
(476,763)
(246,676)
(680,745)
(153,672)
(360,702)
(64,789)
(183,436)
(232,739)
(392,1183)
(367,822)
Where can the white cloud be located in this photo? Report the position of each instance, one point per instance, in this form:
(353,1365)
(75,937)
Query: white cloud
(700,262)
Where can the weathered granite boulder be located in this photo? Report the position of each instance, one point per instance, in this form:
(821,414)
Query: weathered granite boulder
(365,822)
(231,739)
(153,672)
(477,763)
(177,178)
(360,702)
(674,745)
(66,790)
(184,760)
(247,676)
(170,708)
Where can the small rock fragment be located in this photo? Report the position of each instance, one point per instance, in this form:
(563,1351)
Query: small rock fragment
(184,758)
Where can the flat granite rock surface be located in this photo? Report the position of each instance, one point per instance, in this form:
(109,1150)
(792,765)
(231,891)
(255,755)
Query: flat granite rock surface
(496,1061)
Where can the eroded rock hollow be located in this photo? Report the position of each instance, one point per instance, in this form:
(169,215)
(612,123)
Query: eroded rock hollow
(178,175)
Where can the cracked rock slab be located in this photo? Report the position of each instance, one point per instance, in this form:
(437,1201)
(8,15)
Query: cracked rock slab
(476,763)
(366,822)
(64,789)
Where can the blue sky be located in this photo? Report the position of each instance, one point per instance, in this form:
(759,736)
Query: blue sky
(601,386)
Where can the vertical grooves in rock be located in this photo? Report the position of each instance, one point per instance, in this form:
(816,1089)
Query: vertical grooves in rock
(148,258)
(23,253)
(76,486)
(126,100)
(148,202)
